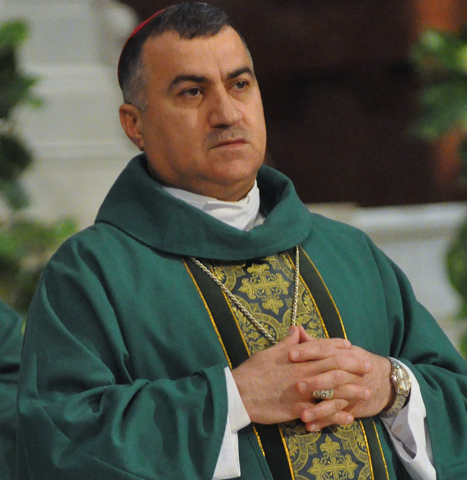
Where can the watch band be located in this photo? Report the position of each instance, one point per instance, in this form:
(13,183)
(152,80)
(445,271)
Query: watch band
(400,379)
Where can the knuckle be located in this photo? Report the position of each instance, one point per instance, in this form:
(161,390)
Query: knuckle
(338,377)
(335,406)
(322,349)
(340,362)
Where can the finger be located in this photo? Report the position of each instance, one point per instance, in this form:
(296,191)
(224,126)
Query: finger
(324,374)
(339,418)
(323,410)
(304,336)
(315,349)
(340,365)
(343,398)
(351,393)
(292,339)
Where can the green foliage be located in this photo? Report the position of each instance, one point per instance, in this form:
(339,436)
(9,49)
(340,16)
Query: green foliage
(444,108)
(15,90)
(15,86)
(463,346)
(25,244)
(456,261)
(441,61)
(14,156)
(25,247)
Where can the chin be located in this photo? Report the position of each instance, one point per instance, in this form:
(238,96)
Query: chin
(232,176)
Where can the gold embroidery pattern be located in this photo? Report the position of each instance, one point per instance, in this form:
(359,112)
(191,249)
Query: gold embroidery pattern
(266,286)
(337,453)
(332,464)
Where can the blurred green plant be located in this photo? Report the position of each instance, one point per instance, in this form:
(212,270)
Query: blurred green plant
(440,58)
(25,244)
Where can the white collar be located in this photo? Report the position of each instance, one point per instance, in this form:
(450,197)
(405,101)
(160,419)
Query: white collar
(243,214)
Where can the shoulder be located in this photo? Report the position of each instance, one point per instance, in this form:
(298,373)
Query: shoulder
(99,241)
(87,257)
(333,231)
(100,257)
(338,244)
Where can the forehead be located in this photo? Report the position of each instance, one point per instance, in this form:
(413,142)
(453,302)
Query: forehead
(167,56)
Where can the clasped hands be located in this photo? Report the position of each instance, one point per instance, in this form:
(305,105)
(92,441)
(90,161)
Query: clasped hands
(277,384)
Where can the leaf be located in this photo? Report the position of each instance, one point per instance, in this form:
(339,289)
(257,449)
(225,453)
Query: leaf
(12,33)
(14,157)
(14,194)
(8,62)
(438,52)
(15,87)
(463,345)
(463,161)
(443,107)
(14,90)
(441,61)
(456,263)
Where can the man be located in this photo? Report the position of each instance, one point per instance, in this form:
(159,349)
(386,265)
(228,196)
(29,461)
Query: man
(10,350)
(207,326)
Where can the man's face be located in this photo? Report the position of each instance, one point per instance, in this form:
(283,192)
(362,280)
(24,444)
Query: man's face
(203,129)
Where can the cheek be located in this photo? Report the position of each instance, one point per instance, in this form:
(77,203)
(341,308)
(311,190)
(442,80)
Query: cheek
(185,129)
(259,127)
(168,131)
(256,115)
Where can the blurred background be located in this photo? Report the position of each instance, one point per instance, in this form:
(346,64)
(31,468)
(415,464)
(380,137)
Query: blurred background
(355,99)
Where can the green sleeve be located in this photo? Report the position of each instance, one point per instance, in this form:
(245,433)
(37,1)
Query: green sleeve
(418,341)
(86,409)
(10,350)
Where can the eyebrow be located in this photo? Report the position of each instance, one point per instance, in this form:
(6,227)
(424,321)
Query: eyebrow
(201,79)
(240,71)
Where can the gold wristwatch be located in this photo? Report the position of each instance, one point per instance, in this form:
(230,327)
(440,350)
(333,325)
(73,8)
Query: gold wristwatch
(400,378)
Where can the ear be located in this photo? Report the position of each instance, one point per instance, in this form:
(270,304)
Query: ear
(130,118)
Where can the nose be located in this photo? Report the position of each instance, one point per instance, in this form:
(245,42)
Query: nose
(224,111)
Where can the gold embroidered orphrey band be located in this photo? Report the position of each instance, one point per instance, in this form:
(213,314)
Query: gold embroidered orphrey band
(270,437)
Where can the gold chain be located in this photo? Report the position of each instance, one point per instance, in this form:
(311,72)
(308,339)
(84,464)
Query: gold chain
(247,314)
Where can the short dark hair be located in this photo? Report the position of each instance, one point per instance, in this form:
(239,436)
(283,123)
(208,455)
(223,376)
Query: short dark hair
(188,19)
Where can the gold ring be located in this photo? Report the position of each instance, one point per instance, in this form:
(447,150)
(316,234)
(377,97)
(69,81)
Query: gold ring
(323,394)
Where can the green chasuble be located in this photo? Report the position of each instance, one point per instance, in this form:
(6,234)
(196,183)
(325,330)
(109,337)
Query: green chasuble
(122,374)
(10,349)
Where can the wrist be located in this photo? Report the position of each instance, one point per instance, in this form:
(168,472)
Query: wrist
(401,387)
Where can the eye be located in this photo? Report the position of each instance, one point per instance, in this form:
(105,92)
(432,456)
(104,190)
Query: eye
(242,84)
(192,92)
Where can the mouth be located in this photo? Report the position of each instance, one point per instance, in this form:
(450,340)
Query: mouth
(231,142)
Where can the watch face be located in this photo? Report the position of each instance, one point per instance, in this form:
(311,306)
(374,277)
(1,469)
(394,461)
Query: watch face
(403,381)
